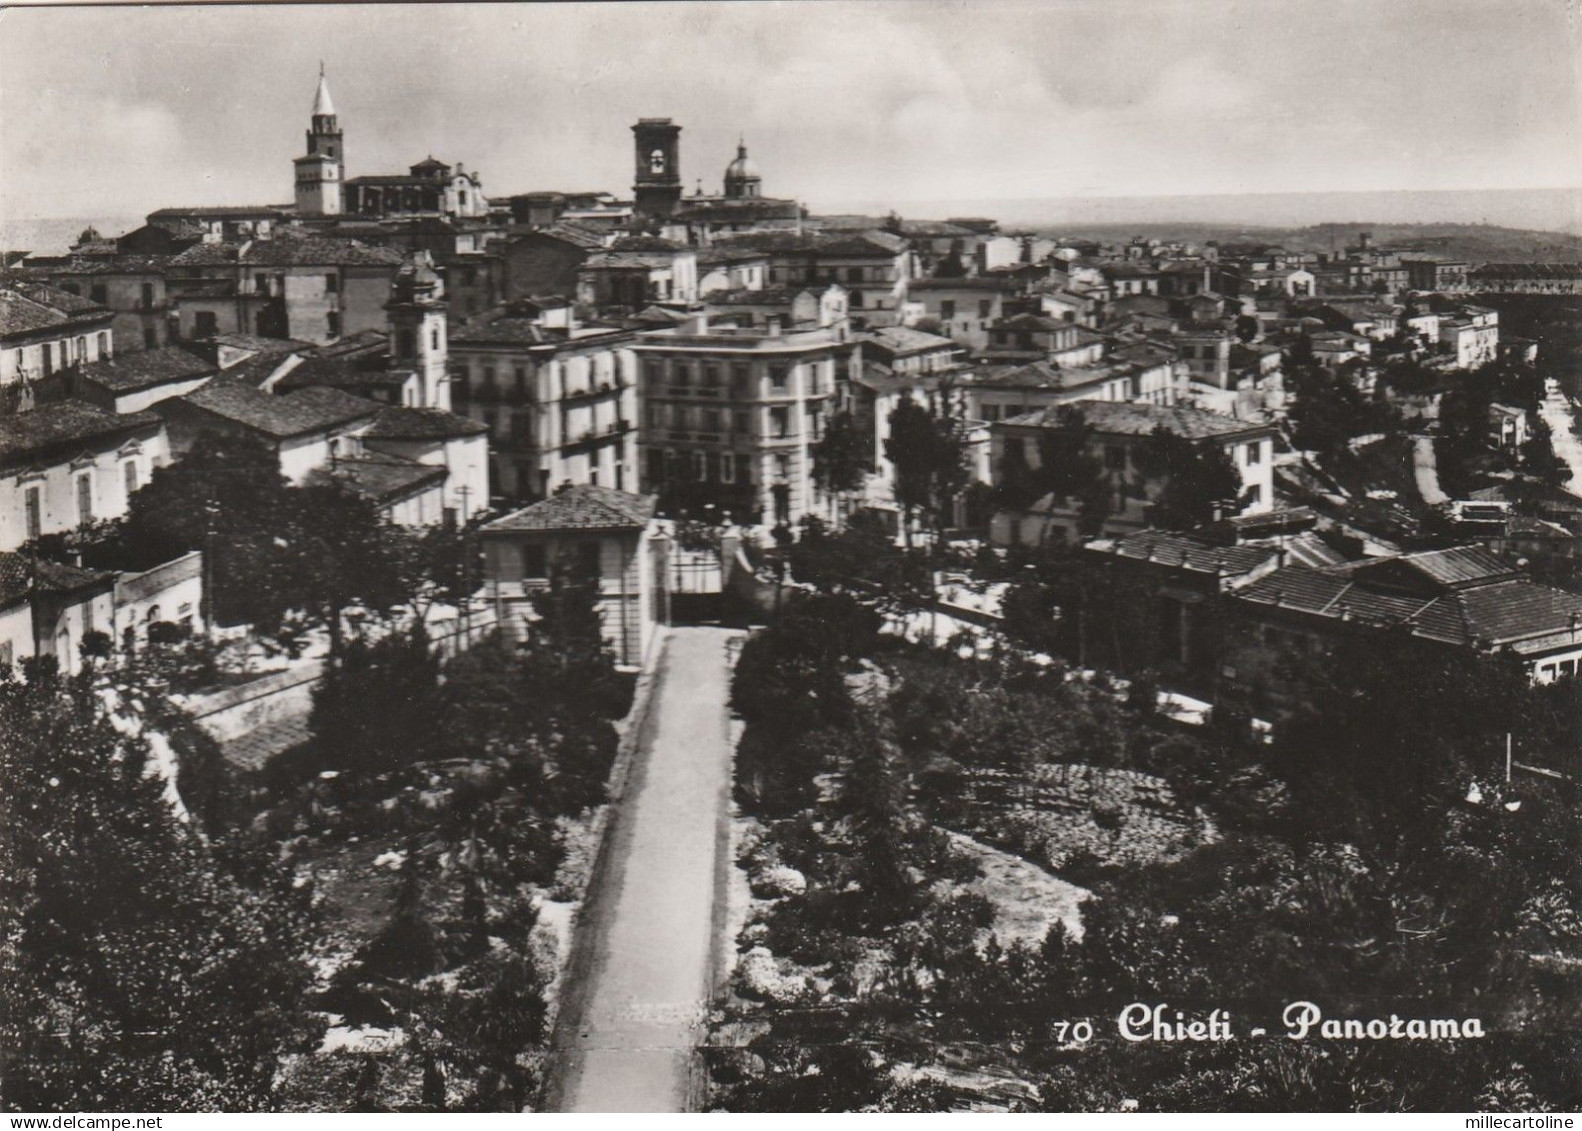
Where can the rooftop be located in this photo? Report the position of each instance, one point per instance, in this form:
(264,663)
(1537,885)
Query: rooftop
(130,372)
(283,417)
(583,507)
(1182,551)
(384,478)
(65,426)
(399,422)
(1119,419)
(1463,601)
(21,575)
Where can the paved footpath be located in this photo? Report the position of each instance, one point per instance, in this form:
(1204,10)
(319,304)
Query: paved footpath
(626,1040)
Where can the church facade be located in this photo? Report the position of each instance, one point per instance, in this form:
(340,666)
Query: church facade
(429,188)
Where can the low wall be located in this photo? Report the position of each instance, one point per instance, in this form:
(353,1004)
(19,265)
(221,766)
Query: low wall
(233,712)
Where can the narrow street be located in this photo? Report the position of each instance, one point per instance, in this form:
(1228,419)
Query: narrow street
(1556,411)
(635,1007)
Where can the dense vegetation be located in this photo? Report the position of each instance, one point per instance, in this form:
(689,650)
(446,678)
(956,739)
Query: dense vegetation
(1370,859)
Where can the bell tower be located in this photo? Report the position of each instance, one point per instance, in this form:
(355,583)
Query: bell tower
(657,189)
(322,169)
(418,330)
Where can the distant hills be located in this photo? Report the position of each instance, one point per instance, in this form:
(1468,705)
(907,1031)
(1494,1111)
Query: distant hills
(1527,210)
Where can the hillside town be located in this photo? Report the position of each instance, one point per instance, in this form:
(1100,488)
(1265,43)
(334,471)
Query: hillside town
(929,635)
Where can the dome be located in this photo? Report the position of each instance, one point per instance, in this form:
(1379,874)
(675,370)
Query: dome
(743,168)
(741,175)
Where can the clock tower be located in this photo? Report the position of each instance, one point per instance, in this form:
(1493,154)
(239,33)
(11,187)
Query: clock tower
(322,169)
(657,189)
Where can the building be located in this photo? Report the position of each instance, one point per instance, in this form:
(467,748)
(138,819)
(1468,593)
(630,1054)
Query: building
(559,399)
(1526,278)
(904,350)
(966,308)
(600,531)
(431,439)
(636,271)
(730,415)
(66,464)
(135,381)
(1463,597)
(48,609)
(1443,276)
(430,188)
(131,285)
(1472,338)
(1184,576)
(308,429)
(1507,426)
(1118,434)
(222,223)
(303,287)
(43,331)
(876,268)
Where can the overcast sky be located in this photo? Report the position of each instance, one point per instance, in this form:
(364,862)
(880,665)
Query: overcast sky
(106,111)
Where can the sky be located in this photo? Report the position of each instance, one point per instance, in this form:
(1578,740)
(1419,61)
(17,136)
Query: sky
(107,111)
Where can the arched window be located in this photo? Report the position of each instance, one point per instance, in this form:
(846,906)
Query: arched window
(656,161)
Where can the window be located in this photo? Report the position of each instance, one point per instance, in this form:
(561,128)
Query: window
(488,376)
(700,466)
(71,288)
(129,470)
(406,347)
(985,307)
(727,467)
(260,283)
(711,420)
(777,377)
(1255,452)
(742,427)
(991,412)
(1014,533)
(1254,494)
(711,376)
(739,376)
(85,498)
(588,557)
(332,322)
(35,519)
(1115,457)
(854,274)
(433,338)
(779,423)
(534,561)
(104,345)
(947,310)
(682,374)
(656,466)
(205,324)
(98,293)
(150,338)
(332,283)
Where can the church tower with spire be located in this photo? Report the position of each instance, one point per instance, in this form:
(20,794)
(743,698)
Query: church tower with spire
(322,169)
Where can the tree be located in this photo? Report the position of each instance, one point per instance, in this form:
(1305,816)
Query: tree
(144,968)
(928,447)
(379,707)
(1198,482)
(280,558)
(842,458)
